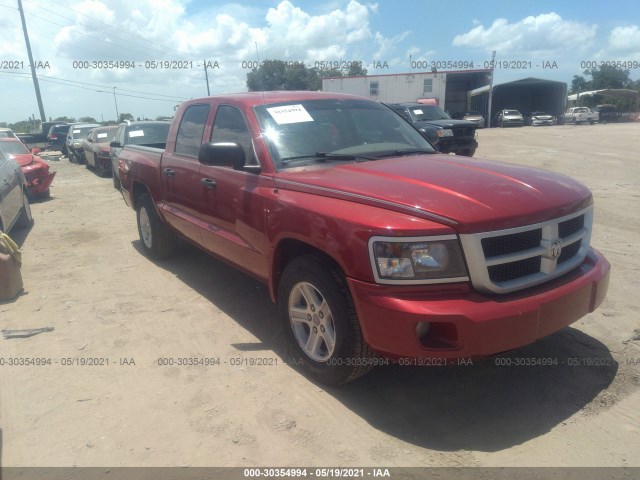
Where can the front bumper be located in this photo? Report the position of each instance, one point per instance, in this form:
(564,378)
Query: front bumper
(466,324)
(37,184)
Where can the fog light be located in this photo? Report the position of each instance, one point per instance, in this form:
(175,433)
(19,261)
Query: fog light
(422,329)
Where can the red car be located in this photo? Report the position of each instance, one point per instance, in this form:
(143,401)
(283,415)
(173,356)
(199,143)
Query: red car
(97,150)
(35,170)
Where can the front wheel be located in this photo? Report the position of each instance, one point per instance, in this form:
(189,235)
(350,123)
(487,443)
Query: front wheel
(467,152)
(157,240)
(319,316)
(116,180)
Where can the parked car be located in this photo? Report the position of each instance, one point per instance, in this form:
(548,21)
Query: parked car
(446,134)
(15,211)
(541,118)
(57,137)
(146,133)
(578,115)
(7,133)
(374,246)
(96,149)
(508,118)
(607,113)
(36,171)
(77,133)
(475,117)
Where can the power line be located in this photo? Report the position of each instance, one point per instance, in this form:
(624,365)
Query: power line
(94,86)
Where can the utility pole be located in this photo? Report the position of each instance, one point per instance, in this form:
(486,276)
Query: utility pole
(43,117)
(116,102)
(206,76)
(493,63)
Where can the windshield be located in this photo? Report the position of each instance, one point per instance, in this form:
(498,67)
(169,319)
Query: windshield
(81,132)
(106,135)
(512,112)
(146,134)
(428,112)
(13,148)
(473,114)
(304,132)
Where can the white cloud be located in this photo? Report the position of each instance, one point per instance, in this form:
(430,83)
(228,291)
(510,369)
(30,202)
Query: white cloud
(625,39)
(545,34)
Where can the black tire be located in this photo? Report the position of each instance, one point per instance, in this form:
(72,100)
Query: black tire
(116,180)
(25,220)
(157,240)
(467,152)
(350,357)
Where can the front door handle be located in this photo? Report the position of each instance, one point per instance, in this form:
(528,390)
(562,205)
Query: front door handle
(208,182)
(168,172)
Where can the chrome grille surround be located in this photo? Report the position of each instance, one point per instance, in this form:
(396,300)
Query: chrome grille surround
(534,253)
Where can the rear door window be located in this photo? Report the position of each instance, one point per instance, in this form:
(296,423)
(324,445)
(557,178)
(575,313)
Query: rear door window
(191,128)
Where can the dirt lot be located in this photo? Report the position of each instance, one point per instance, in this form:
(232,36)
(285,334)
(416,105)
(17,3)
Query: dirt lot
(86,277)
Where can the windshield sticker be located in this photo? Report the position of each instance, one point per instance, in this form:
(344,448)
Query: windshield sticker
(102,135)
(76,131)
(289,114)
(136,133)
(418,112)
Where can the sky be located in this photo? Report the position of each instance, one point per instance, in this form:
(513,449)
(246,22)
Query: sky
(168,42)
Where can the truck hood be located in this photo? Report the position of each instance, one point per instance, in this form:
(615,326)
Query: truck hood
(468,194)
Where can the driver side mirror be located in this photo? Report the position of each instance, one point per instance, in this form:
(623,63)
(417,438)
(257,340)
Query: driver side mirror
(225,154)
(115,144)
(35,151)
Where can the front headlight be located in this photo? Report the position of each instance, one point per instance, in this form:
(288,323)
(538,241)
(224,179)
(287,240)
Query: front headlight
(447,132)
(416,260)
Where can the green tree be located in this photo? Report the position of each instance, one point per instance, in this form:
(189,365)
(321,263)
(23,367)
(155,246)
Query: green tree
(579,84)
(125,116)
(65,119)
(608,76)
(281,75)
(355,70)
(87,120)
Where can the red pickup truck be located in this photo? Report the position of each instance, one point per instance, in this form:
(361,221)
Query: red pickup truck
(374,246)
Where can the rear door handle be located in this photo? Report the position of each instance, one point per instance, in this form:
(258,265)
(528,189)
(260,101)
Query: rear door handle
(168,172)
(208,182)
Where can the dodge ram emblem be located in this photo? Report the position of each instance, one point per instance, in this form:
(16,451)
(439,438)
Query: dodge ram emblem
(555,249)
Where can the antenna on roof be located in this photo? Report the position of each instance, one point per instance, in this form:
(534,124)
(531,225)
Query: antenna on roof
(259,74)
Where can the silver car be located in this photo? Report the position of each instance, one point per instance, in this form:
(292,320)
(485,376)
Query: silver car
(15,211)
(475,117)
(77,133)
(509,118)
(541,118)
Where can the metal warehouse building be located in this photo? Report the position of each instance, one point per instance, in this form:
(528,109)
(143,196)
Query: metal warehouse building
(526,95)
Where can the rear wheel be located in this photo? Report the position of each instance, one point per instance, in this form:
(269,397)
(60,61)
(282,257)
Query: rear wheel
(25,220)
(157,240)
(320,318)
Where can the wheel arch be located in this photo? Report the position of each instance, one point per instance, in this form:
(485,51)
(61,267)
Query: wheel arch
(287,250)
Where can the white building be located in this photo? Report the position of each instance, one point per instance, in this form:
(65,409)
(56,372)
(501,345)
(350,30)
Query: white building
(447,89)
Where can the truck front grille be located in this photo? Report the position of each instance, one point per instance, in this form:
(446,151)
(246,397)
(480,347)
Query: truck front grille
(508,260)
(463,132)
